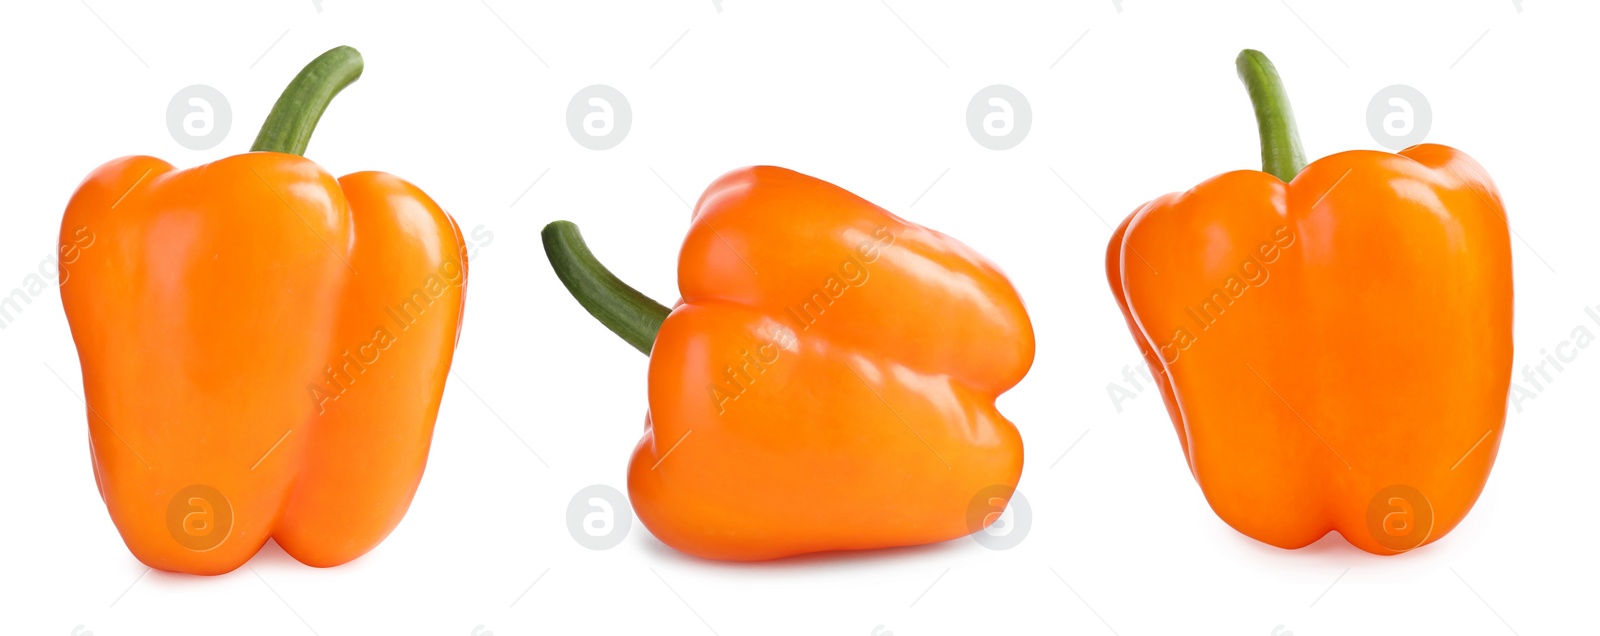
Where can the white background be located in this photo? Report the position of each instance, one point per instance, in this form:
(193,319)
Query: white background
(471,106)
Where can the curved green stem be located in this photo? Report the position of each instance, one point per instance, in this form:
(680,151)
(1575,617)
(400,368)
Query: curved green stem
(1281,155)
(288,128)
(622,309)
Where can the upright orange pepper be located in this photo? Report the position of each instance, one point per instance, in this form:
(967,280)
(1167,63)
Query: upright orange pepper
(1332,341)
(263,347)
(827,381)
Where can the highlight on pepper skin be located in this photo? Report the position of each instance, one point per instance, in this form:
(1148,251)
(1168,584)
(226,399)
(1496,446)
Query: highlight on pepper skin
(800,400)
(257,257)
(1319,374)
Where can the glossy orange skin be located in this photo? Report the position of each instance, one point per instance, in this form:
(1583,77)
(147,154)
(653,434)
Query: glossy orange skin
(1374,351)
(210,305)
(868,424)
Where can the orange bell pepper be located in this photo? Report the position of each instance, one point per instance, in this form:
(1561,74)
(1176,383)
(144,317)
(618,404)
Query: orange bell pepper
(1333,342)
(263,348)
(827,382)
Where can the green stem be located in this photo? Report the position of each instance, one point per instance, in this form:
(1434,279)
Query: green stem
(622,309)
(1281,155)
(288,128)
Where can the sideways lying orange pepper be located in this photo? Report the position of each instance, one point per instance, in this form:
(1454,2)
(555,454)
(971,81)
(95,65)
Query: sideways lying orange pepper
(263,347)
(827,381)
(1334,351)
